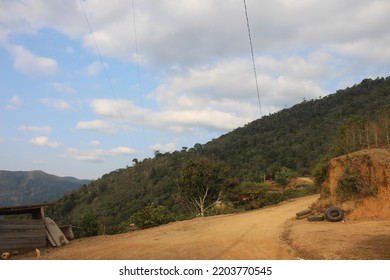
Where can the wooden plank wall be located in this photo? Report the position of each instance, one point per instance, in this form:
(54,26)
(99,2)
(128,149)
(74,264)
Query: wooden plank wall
(22,234)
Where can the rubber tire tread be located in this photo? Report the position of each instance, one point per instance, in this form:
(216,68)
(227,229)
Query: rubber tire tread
(302,217)
(329,214)
(303,212)
(316,218)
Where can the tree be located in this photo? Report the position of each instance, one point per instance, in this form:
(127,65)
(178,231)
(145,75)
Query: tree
(201,182)
(89,225)
(282,176)
(150,216)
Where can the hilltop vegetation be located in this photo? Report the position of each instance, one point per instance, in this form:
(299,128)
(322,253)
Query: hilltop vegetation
(288,143)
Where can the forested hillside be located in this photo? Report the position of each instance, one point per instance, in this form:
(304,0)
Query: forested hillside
(33,187)
(289,142)
(299,136)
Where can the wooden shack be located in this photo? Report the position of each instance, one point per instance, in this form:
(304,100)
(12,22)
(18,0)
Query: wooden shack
(22,234)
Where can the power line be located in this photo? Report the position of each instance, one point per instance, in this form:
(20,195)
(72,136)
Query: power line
(138,71)
(102,62)
(97,49)
(253,58)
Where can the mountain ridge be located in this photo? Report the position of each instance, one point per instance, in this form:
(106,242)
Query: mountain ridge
(36,186)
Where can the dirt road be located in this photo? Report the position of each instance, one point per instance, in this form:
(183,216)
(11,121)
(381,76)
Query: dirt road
(250,235)
(271,233)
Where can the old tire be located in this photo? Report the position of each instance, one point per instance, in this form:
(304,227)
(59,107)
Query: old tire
(334,214)
(302,217)
(303,213)
(316,218)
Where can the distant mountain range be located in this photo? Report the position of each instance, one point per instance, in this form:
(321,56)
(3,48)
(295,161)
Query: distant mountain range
(34,187)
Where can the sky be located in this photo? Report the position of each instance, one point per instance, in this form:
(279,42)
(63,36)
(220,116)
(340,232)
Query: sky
(86,86)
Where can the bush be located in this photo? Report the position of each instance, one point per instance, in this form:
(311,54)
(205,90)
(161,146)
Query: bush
(320,171)
(282,176)
(89,226)
(249,195)
(150,216)
(349,186)
(252,195)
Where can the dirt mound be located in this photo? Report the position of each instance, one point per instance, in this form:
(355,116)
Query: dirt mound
(359,183)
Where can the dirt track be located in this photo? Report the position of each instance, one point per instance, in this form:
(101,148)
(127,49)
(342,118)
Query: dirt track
(270,233)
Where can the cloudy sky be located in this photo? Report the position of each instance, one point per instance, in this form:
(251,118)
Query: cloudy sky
(86,86)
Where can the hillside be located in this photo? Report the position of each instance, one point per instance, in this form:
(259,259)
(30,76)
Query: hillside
(299,136)
(291,141)
(32,187)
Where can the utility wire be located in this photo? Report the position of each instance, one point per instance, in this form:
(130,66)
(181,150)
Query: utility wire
(138,71)
(253,58)
(101,60)
(97,48)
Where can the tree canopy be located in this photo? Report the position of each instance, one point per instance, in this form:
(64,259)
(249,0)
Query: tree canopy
(201,182)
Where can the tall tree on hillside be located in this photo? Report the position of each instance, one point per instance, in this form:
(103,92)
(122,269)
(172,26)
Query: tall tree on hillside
(384,126)
(352,135)
(201,182)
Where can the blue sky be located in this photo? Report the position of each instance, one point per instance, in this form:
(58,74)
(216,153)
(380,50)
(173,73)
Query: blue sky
(72,102)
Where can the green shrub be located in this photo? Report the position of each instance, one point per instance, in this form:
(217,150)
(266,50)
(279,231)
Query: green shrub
(349,186)
(282,176)
(89,226)
(150,216)
(320,171)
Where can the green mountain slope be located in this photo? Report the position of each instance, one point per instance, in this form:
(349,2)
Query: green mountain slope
(295,138)
(33,187)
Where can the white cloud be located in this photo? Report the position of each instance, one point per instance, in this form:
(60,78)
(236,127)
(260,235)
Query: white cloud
(31,64)
(39,129)
(189,120)
(96,125)
(98,155)
(196,32)
(44,141)
(168,147)
(69,50)
(95,143)
(224,95)
(14,103)
(63,87)
(92,155)
(94,68)
(122,151)
(119,109)
(32,15)
(57,104)
(170,120)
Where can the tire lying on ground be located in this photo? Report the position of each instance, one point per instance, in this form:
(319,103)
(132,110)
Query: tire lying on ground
(302,216)
(316,218)
(334,214)
(303,213)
